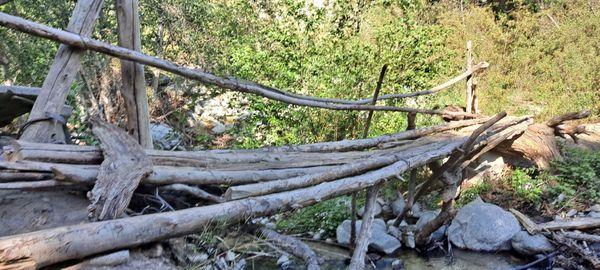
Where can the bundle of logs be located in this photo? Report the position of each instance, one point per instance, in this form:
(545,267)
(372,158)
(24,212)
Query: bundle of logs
(260,182)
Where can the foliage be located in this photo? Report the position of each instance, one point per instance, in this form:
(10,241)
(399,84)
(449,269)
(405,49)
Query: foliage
(526,186)
(578,174)
(325,215)
(469,194)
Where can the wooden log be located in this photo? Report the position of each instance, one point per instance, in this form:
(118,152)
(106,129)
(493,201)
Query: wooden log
(42,248)
(417,148)
(557,120)
(364,236)
(133,89)
(234,84)
(14,176)
(60,77)
(161,175)
(477,68)
(124,166)
(293,246)
(582,236)
(469,96)
(536,147)
(195,191)
(41,184)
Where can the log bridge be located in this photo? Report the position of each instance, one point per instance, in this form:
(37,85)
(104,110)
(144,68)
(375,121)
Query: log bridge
(257,182)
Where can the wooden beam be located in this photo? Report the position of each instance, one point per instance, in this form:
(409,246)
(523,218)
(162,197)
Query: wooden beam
(469,78)
(134,84)
(60,77)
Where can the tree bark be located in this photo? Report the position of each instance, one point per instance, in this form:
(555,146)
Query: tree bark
(360,250)
(60,77)
(124,166)
(134,84)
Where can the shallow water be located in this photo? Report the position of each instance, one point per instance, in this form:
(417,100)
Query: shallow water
(337,258)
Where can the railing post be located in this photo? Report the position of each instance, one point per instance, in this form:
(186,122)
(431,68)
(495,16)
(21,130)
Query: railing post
(469,101)
(132,73)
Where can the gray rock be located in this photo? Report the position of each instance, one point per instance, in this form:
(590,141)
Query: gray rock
(527,244)
(416,210)
(218,129)
(380,241)
(595,208)
(164,136)
(571,213)
(395,232)
(398,204)
(594,214)
(284,262)
(483,226)
(408,238)
(427,216)
(488,167)
(377,211)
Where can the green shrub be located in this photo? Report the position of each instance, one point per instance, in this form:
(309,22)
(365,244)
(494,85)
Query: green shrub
(577,174)
(326,215)
(526,186)
(469,194)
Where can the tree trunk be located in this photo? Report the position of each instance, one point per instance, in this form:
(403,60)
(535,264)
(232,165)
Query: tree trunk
(134,84)
(60,77)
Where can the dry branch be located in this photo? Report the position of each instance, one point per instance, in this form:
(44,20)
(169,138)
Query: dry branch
(364,236)
(234,84)
(197,192)
(67,62)
(124,166)
(293,246)
(557,120)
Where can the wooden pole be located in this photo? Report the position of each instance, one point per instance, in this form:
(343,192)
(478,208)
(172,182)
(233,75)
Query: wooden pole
(60,77)
(360,250)
(132,73)
(469,102)
(365,135)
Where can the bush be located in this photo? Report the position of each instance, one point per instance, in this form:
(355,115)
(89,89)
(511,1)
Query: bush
(577,175)
(469,194)
(526,186)
(326,215)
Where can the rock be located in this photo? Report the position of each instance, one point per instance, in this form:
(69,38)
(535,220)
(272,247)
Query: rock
(164,137)
(377,209)
(395,232)
(483,226)
(386,210)
(408,238)
(198,258)
(595,208)
(489,166)
(571,213)
(416,210)
(397,264)
(218,129)
(398,204)
(318,235)
(230,256)
(380,241)
(527,244)
(239,265)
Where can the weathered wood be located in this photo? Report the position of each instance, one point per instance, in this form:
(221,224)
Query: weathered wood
(364,236)
(195,191)
(133,89)
(46,247)
(582,236)
(557,120)
(124,166)
(536,147)
(293,246)
(234,84)
(469,96)
(60,77)
(417,148)
(475,69)
(18,100)
(14,176)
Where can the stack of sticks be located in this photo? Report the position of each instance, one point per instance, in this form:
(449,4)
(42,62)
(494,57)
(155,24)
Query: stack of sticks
(260,182)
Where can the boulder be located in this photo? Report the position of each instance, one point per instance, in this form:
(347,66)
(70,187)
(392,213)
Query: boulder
(488,167)
(164,137)
(377,210)
(380,241)
(527,244)
(398,204)
(483,226)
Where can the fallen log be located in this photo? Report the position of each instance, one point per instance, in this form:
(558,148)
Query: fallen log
(14,150)
(416,148)
(557,120)
(124,166)
(364,236)
(574,224)
(14,176)
(581,236)
(41,248)
(293,246)
(195,191)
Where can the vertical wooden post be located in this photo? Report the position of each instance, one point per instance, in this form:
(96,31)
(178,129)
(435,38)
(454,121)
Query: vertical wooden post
(56,86)
(134,83)
(365,135)
(469,102)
